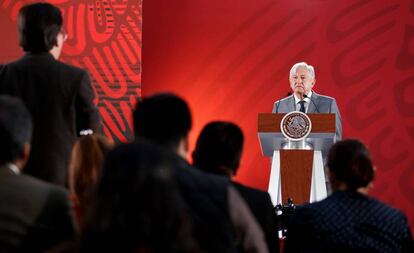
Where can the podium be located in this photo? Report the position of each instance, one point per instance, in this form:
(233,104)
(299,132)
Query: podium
(297,169)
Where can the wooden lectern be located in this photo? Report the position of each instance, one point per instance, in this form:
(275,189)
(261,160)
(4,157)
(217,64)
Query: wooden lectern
(297,171)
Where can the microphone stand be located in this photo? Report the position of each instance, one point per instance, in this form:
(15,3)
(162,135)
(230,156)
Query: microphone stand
(306,96)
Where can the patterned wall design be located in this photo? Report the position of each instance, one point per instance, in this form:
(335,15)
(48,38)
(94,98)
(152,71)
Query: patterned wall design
(230,59)
(104,37)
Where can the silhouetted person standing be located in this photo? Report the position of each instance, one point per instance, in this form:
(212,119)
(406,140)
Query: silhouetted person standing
(218,150)
(58,96)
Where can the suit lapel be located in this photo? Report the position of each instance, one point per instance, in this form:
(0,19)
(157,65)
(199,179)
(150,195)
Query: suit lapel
(292,105)
(315,101)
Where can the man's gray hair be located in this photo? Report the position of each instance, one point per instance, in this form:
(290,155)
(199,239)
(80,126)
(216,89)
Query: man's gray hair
(302,65)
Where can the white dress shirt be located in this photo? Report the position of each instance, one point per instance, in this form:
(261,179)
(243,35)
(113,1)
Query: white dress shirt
(307,101)
(13,168)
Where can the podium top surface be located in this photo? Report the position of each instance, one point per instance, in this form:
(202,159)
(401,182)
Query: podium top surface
(321,122)
(271,137)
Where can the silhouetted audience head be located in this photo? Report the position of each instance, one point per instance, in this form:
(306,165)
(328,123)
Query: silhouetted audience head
(85,166)
(350,165)
(15,129)
(219,148)
(39,25)
(164,119)
(137,206)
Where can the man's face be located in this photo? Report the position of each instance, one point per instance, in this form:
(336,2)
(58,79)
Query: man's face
(301,82)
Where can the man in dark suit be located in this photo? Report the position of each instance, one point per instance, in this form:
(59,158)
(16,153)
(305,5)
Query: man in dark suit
(349,220)
(221,219)
(302,79)
(34,215)
(58,96)
(218,151)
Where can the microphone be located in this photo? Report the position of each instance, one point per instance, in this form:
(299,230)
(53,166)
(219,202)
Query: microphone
(306,96)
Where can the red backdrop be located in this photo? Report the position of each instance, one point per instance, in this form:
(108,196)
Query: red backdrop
(230,59)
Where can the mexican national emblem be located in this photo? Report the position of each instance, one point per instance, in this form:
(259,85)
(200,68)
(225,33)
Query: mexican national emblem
(296,126)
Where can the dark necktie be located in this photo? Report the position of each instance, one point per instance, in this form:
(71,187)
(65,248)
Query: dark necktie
(302,106)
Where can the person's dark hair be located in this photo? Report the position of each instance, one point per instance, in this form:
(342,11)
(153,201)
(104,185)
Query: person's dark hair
(162,118)
(38,26)
(15,128)
(85,166)
(219,147)
(350,163)
(137,206)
